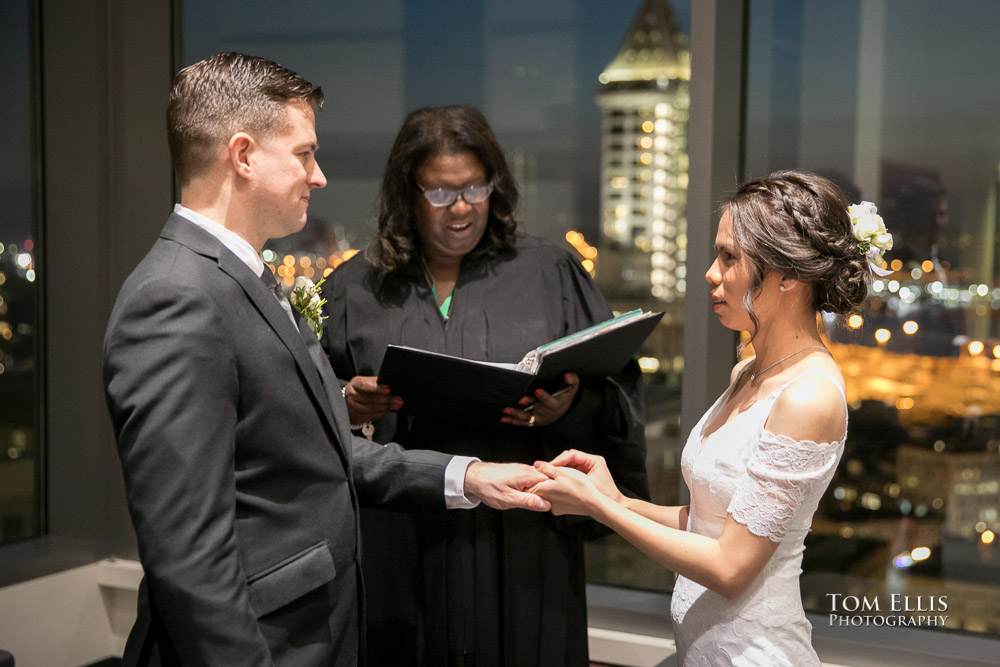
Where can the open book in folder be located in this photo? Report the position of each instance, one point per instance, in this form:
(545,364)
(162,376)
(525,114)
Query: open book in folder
(452,388)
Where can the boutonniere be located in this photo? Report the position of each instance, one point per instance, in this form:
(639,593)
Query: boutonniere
(870,233)
(307,299)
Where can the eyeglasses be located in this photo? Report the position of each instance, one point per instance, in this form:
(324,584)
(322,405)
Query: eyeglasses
(443,197)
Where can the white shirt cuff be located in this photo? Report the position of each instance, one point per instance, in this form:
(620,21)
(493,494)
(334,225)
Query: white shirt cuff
(454,484)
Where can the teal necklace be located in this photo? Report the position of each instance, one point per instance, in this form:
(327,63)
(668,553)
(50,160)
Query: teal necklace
(446,304)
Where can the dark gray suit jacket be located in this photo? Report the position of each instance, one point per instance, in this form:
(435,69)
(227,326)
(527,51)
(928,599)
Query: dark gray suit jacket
(242,476)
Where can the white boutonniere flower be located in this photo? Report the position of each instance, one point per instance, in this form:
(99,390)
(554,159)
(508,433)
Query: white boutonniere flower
(870,233)
(307,299)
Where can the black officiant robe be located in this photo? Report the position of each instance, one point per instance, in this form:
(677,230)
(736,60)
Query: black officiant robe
(483,587)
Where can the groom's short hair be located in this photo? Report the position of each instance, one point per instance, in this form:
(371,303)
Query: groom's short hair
(215,98)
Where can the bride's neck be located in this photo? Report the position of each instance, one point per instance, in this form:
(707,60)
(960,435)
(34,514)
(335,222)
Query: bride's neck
(783,338)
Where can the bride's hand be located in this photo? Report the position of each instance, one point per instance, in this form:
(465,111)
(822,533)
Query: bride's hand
(594,467)
(568,490)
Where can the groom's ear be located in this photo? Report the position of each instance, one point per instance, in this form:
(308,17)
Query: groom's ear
(241,148)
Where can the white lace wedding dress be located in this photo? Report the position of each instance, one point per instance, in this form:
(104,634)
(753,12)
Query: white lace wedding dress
(772,485)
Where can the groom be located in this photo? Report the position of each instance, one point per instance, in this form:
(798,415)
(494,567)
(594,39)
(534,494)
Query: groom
(243,478)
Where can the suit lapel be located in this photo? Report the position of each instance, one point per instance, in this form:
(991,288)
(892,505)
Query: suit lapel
(200,241)
(328,380)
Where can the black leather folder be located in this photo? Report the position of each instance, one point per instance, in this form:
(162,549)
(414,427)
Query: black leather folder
(452,388)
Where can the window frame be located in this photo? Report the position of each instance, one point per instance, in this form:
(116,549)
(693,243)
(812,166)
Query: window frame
(106,187)
(37,234)
(716,140)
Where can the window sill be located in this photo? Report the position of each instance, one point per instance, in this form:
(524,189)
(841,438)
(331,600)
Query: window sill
(41,556)
(632,627)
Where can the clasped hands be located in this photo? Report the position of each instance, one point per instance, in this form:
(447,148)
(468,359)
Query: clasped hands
(572,483)
(560,485)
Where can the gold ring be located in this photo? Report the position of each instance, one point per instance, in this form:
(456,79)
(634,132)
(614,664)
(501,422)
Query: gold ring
(531,422)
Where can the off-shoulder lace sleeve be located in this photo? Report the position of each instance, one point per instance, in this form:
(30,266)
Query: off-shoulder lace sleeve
(781,474)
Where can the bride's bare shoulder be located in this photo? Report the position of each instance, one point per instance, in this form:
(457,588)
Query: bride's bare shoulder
(810,408)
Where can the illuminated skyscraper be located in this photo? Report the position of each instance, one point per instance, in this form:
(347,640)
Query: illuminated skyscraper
(644,172)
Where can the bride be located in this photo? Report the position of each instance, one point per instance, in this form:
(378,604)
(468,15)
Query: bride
(759,460)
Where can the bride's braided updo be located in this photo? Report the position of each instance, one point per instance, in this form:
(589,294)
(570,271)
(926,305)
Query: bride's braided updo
(796,223)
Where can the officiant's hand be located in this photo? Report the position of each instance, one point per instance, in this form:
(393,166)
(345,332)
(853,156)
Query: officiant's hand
(543,408)
(367,400)
(505,486)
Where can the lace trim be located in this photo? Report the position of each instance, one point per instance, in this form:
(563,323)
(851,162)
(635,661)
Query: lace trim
(784,440)
(781,473)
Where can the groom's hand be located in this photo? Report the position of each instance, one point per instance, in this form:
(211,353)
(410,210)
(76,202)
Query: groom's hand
(505,486)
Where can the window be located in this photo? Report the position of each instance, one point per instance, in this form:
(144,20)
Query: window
(533,70)
(19,282)
(901,110)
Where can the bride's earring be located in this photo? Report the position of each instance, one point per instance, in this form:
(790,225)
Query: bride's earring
(781,287)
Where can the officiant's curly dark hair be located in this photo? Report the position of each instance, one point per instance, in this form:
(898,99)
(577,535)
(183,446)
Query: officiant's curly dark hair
(427,133)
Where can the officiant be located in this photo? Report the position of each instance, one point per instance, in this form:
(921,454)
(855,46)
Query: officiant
(449,271)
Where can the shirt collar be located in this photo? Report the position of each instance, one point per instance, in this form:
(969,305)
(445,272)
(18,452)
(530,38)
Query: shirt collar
(236,244)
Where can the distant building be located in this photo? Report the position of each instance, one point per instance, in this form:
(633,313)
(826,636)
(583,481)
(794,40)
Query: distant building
(644,98)
(966,485)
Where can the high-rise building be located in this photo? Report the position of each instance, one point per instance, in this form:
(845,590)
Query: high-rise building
(644,98)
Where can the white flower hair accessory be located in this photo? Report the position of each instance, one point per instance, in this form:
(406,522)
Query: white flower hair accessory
(306,299)
(870,233)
